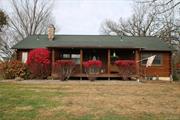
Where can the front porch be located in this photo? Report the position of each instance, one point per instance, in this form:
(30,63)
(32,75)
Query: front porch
(107,56)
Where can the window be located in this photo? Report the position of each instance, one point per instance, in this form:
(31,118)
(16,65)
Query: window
(66,55)
(157,60)
(76,58)
(24,57)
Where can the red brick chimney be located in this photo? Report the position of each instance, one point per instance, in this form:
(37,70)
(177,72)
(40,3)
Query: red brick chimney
(51,32)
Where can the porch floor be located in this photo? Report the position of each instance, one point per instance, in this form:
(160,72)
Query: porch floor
(97,75)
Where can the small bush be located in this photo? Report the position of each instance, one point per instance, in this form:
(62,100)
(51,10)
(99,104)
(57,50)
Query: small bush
(64,68)
(126,68)
(13,69)
(39,63)
(92,67)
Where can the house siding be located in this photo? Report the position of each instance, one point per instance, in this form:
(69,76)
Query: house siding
(163,70)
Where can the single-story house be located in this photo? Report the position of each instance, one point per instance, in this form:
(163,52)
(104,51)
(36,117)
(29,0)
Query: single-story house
(104,47)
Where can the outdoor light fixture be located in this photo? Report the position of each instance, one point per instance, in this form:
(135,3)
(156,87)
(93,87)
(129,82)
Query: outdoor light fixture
(94,57)
(114,54)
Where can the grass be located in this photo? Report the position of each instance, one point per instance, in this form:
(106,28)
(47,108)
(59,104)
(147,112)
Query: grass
(1,77)
(89,101)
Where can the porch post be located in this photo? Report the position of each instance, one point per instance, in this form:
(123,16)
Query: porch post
(53,60)
(53,56)
(109,60)
(137,58)
(81,61)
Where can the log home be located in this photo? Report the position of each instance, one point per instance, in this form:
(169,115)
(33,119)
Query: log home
(105,48)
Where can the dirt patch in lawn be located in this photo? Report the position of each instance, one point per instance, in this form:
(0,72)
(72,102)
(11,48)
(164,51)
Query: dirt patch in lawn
(23,108)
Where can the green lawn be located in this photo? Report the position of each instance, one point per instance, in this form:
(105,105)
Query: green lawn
(89,101)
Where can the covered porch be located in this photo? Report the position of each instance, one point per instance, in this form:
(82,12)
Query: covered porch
(107,55)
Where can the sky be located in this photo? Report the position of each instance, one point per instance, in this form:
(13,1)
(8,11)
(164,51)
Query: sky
(85,16)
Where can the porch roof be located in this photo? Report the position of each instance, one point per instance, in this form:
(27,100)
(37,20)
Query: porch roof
(93,41)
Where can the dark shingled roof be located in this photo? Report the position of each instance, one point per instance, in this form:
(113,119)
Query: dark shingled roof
(93,41)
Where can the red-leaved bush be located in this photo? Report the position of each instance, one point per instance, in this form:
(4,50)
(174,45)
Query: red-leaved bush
(39,63)
(126,68)
(12,69)
(64,68)
(92,63)
(92,67)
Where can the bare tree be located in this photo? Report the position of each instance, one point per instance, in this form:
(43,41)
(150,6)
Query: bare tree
(3,23)
(141,23)
(162,5)
(30,16)
(169,15)
(26,17)
(3,19)
(5,45)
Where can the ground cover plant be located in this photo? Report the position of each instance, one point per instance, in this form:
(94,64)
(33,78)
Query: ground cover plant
(74,100)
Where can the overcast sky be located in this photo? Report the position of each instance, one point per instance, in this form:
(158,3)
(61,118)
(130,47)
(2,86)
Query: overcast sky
(85,16)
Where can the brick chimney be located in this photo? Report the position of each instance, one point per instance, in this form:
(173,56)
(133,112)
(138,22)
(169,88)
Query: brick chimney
(51,32)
